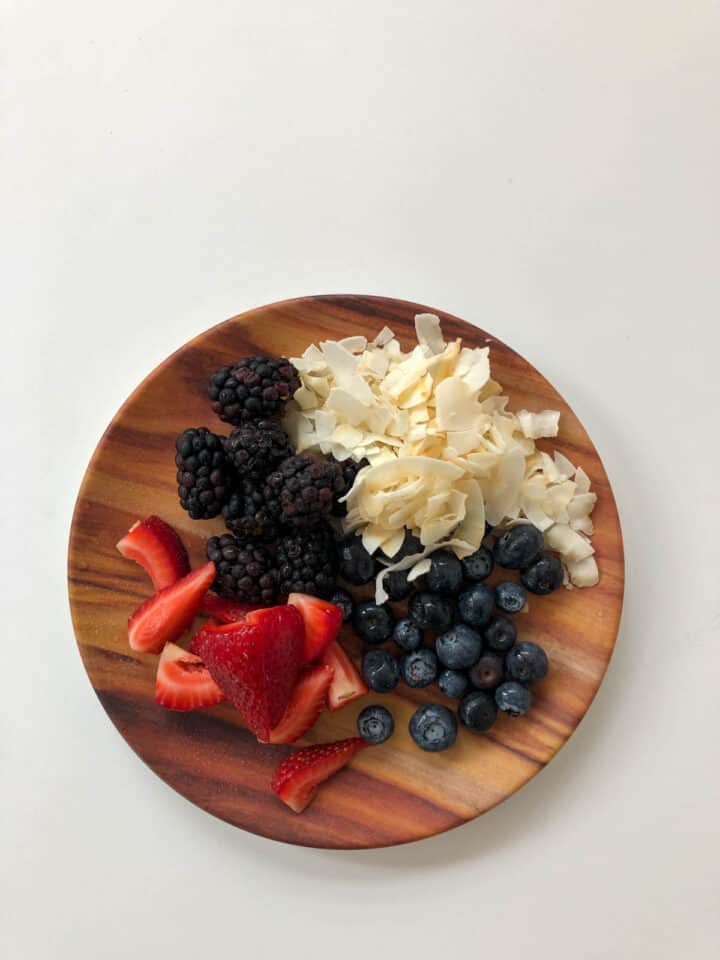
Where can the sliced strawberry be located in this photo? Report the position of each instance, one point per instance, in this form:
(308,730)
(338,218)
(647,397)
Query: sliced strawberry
(322,622)
(346,684)
(183,682)
(158,549)
(162,618)
(298,777)
(305,706)
(226,610)
(256,663)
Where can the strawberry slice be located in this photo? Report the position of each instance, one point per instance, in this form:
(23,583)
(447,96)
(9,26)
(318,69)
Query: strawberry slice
(183,682)
(305,706)
(163,617)
(158,549)
(225,609)
(298,777)
(322,622)
(346,684)
(255,663)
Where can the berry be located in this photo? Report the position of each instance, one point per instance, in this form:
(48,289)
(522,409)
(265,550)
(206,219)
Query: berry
(252,389)
(478,566)
(322,621)
(500,634)
(373,623)
(256,663)
(459,648)
(488,672)
(419,669)
(475,605)
(183,682)
(298,777)
(158,549)
(543,576)
(453,683)
(510,597)
(407,635)
(445,573)
(347,684)
(203,473)
(305,705)
(342,599)
(163,617)
(527,662)
(350,469)
(252,511)
(410,546)
(431,611)
(513,698)
(255,449)
(433,727)
(380,670)
(477,710)
(519,546)
(397,585)
(375,724)
(306,488)
(225,609)
(356,565)
(306,563)
(245,569)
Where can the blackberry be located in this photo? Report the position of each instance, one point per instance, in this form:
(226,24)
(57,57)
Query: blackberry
(203,474)
(306,563)
(245,569)
(252,511)
(252,389)
(307,488)
(255,449)
(350,469)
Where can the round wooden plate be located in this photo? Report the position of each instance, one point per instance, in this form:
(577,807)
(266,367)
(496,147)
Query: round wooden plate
(391,794)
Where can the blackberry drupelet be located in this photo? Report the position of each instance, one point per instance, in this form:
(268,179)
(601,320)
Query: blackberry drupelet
(203,474)
(255,449)
(245,569)
(252,511)
(252,389)
(307,488)
(306,563)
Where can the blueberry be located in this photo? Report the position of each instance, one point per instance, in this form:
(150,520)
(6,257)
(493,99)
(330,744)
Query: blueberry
(445,573)
(380,670)
(488,672)
(459,648)
(527,662)
(475,605)
(355,563)
(513,698)
(375,724)
(433,727)
(409,546)
(500,634)
(478,565)
(396,584)
(418,669)
(407,635)
(519,546)
(342,599)
(510,597)
(477,710)
(373,623)
(543,576)
(430,611)
(453,683)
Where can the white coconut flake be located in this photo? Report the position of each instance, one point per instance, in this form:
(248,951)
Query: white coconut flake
(536,425)
(429,334)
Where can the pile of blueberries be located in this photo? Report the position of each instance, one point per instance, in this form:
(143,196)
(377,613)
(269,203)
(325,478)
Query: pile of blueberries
(475,656)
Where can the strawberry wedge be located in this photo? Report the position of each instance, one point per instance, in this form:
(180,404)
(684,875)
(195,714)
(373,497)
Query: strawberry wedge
(183,682)
(322,623)
(225,609)
(163,617)
(158,549)
(298,777)
(347,684)
(306,704)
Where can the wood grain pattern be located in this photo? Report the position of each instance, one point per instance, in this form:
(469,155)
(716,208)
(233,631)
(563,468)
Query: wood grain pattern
(391,794)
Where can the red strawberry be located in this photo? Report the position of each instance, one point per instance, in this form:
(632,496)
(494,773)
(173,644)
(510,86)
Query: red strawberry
(226,610)
(306,705)
(162,618)
(298,777)
(158,549)
(255,663)
(322,622)
(183,682)
(346,684)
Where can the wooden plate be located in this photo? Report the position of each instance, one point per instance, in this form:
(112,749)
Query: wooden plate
(388,795)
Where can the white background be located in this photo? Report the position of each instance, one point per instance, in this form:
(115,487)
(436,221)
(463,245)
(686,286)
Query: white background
(547,169)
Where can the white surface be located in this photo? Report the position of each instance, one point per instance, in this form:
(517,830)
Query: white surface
(547,169)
